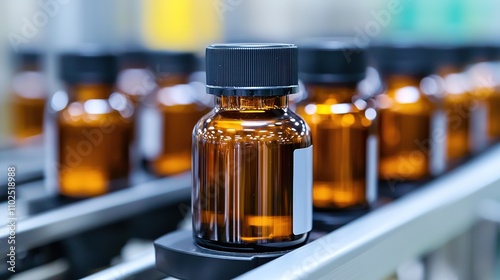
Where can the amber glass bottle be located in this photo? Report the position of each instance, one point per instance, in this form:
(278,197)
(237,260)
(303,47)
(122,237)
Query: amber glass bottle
(28,97)
(89,128)
(169,114)
(485,90)
(412,121)
(342,125)
(252,156)
(135,80)
(494,112)
(466,128)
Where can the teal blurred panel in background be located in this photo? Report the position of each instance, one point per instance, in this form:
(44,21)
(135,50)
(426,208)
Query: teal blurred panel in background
(447,20)
(119,24)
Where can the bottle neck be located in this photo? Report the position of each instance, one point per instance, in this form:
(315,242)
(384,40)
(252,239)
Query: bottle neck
(30,67)
(166,80)
(449,69)
(331,93)
(399,81)
(251,102)
(84,92)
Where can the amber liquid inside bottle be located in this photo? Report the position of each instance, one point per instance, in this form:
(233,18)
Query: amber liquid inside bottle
(493,105)
(28,104)
(494,108)
(340,133)
(93,142)
(405,130)
(174,110)
(458,102)
(243,160)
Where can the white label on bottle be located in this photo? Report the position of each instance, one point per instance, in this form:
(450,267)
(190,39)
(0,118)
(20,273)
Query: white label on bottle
(302,190)
(438,141)
(51,142)
(151,132)
(371,169)
(478,128)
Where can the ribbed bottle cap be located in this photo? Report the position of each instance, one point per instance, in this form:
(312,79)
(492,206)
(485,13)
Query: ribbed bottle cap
(252,69)
(332,61)
(173,62)
(496,55)
(404,58)
(28,58)
(93,66)
(482,52)
(134,58)
(451,55)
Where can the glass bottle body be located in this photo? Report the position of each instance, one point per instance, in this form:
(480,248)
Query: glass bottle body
(167,120)
(28,104)
(460,109)
(243,175)
(412,131)
(345,147)
(486,95)
(493,105)
(91,132)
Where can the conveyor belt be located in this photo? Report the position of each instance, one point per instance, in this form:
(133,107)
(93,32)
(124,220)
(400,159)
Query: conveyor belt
(405,229)
(91,213)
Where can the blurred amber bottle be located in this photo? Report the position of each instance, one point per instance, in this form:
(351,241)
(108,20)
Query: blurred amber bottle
(135,80)
(169,114)
(466,117)
(28,96)
(252,156)
(486,88)
(412,120)
(494,114)
(342,125)
(89,127)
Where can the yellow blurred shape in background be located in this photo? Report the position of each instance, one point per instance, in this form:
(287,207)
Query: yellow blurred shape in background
(180,24)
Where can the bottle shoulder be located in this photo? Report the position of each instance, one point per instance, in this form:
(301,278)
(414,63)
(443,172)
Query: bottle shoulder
(361,112)
(408,99)
(136,82)
(117,108)
(177,97)
(281,125)
(29,85)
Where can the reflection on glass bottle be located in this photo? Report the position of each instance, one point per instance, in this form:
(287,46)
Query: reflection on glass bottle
(342,125)
(466,119)
(412,121)
(169,114)
(135,79)
(252,156)
(28,96)
(486,90)
(89,127)
(494,112)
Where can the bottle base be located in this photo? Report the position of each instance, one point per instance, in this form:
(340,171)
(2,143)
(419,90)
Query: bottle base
(176,249)
(81,189)
(252,247)
(327,221)
(332,208)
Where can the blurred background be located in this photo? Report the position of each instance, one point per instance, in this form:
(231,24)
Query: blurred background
(50,27)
